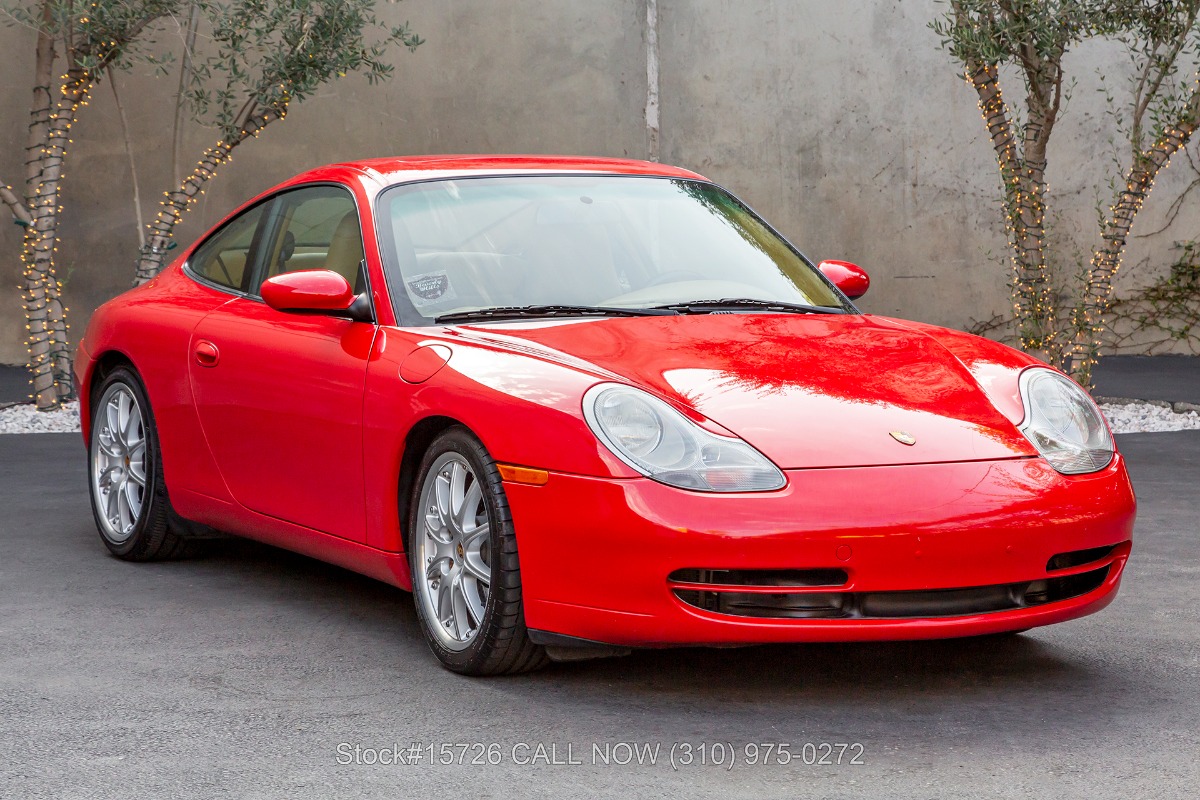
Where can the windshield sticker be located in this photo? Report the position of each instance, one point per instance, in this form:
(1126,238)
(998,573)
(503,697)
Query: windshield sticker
(430,288)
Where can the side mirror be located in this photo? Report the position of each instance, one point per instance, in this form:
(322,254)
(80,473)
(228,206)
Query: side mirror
(850,278)
(314,291)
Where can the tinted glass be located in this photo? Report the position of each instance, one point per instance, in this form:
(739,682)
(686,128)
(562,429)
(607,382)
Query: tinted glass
(637,242)
(227,257)
(316,228)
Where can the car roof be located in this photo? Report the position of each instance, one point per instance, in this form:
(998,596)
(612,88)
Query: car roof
(401,168)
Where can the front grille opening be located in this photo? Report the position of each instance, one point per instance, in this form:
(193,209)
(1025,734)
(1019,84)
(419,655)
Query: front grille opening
(1077,558)
(809,605)
(894,605)
(761,577)
(1054,589)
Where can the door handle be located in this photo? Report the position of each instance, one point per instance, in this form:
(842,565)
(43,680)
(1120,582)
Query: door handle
(207,354)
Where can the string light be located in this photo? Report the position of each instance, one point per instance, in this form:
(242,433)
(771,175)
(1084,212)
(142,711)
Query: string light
(47,329)
(1024,212)
(175,204)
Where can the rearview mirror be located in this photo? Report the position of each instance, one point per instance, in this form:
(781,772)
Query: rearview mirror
(850,278)
(314,290)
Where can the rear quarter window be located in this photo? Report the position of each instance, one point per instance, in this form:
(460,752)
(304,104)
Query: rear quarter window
(227,257)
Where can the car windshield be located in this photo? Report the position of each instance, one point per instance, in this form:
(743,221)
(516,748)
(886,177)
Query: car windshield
(549,245)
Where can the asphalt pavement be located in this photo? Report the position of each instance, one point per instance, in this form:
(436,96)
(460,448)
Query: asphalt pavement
(254,673)
(1175,379)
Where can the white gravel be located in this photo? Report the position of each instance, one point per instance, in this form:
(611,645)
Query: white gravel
(1134,417)
(1148,418)
(27,419)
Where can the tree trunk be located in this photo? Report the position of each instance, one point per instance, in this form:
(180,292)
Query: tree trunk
(49,350)
(1024,180)
(51,118)
(150,261)
(39,109)
(39,333)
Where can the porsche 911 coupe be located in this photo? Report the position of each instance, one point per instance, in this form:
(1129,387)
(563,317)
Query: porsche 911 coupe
(579,406)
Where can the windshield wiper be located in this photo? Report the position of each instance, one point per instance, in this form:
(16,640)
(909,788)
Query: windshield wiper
(736,303)
(517,312)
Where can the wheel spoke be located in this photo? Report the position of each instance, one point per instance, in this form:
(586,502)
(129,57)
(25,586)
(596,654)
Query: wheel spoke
(475,566)
(435,529)
(124,403)
(474,600)
(458,481)
(137,472)
(133,500)
(442,493)
(113,412)
(475,538)
(444,613)
(462,623)
(465,517)
(124,515)
(105,479)
(433,570)
(111,501)
(108,446)
(132,432)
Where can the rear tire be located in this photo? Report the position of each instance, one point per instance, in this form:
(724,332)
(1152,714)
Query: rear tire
(128,494)
(462,552)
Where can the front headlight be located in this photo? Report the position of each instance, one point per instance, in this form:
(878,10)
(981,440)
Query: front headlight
(660,443)
(1063,423)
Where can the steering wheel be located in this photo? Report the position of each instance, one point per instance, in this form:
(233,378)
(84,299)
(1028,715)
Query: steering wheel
(674,276)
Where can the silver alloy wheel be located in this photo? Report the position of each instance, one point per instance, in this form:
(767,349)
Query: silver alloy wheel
(454,545)
(118,462)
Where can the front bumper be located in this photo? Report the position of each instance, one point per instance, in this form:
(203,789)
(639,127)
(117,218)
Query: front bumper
(596,554)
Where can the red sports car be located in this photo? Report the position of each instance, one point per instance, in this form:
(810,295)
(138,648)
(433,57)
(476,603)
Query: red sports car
(583,405)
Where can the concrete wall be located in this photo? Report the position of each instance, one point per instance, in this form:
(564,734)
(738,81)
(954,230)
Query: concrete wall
(843,123)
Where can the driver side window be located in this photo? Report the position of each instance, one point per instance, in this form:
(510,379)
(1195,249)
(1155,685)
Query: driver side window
(316,228)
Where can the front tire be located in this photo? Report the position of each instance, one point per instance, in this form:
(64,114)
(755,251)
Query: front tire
(462,552)
(129,496)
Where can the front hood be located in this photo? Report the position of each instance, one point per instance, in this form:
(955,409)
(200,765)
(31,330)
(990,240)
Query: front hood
(806,390)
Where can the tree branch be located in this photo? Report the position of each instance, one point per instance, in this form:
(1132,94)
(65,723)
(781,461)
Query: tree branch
(185,67)
(20,213)
(137,197)
(1144,94)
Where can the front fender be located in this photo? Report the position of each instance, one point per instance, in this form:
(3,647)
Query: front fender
(526,410)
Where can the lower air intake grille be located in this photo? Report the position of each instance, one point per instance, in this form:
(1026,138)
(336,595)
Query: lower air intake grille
(894,605)
(1077,558)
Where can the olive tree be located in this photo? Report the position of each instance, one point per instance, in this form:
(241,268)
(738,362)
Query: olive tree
(264,56)
(77,42)
(256,58)
(1060,320)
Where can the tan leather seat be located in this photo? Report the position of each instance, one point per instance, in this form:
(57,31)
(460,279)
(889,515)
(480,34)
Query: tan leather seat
(346,250)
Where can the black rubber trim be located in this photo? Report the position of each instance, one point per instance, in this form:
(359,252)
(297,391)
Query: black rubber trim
(562,640)
(761,577)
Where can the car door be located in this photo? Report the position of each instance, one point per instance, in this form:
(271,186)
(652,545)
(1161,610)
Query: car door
(280,395)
